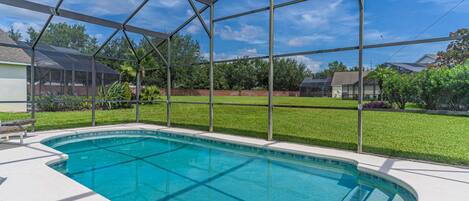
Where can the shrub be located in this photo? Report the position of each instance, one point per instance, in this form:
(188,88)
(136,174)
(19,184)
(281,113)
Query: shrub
(377,105)
(444,88)
(71,102)
(51,102)
(46,103)
(150,93)
(435,88)
(116,92)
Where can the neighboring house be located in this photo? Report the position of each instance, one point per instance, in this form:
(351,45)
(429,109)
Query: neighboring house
(345,86)
(13,76)
(64,72)
(419,65)
(316,87)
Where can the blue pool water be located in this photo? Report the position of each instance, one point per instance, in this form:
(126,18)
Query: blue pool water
(152,165)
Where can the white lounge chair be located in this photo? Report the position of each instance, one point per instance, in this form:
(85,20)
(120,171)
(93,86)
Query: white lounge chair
(15,128)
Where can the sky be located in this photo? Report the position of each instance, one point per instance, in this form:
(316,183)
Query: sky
(310,25)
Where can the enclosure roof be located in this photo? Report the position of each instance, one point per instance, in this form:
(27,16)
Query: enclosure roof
(73,60)
(311,82)
(48,56)
(10,54)
(346,78)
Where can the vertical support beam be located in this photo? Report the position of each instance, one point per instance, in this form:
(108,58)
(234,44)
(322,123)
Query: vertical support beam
(271,70)
(211,35)
(33,88)
(102,79)
(168,86)
(360,76)
(40,82)
(93,91)
(137,94)
(73,82)
(64,82)
(87,84)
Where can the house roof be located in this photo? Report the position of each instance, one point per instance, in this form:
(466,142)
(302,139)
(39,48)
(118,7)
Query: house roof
(48,56)
(10,54)
(420,65)
(427,59)
(310,81)
(346,78)
(413,67)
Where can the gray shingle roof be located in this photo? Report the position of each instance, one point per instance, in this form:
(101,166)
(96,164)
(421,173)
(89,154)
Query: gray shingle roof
(427,59)
(420,65)
(413,67)
(10,54)
(346,78)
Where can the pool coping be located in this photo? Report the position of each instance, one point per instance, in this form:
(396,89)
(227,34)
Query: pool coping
(427,181)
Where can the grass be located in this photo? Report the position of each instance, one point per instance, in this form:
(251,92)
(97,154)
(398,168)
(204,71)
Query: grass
(439,138)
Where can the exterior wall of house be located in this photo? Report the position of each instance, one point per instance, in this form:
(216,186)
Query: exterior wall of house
(337,91)
(13,82)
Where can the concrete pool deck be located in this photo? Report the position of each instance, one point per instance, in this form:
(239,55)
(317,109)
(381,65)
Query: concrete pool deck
(27,176)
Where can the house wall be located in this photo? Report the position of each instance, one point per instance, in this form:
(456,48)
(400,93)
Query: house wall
(13,87)
(337,91)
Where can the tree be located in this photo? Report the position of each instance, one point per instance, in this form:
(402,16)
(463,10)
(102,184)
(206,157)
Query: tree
(399,89)
(128,72)
(380,74)
(14,34)
(65,35)
(335,66)
(457,51)
(240,74)
(288,74)
(32,35)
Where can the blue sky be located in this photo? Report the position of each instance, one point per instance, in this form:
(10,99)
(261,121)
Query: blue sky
(311,25)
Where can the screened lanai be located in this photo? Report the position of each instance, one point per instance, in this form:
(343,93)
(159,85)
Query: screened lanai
(236,66)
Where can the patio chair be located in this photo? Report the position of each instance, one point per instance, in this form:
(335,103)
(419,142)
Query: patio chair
(15,128)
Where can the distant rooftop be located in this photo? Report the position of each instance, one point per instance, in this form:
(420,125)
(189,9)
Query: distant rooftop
(347,78)
(10,54)
(420,65)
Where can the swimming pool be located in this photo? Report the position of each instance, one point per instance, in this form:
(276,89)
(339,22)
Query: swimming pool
(155,165)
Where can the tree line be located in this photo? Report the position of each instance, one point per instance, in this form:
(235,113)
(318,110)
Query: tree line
(189,68)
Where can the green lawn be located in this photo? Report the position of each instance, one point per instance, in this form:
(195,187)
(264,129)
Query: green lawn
(438,138)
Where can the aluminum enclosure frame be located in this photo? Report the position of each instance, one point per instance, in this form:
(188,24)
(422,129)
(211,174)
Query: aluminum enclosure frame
(166,37)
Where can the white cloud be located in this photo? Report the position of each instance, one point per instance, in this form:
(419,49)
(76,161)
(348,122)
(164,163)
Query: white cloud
(193,28)
(99,36)
(169,3)
(247,33)
(219,56)
(334,17)
(100,8)
(21,27)
(313,65)
(251,52)
(307,40)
